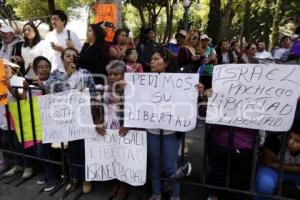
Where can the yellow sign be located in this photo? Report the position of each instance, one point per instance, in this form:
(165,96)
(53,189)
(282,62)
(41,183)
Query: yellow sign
(3,86)
(26,119)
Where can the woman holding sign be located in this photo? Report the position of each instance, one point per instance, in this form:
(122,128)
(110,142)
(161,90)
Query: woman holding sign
(73,78)
(163,145)
(106,111)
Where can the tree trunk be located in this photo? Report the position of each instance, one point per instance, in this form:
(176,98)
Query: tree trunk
(275,27)
(246,20)
(142,17)
(168,31)
(51,6)
(226,20)
(214,21)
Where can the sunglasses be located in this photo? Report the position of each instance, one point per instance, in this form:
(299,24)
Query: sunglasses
(253,49)
(195,38)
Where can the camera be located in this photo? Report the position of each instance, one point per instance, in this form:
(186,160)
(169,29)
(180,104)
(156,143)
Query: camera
(31,81)
(109,24)
(76,61)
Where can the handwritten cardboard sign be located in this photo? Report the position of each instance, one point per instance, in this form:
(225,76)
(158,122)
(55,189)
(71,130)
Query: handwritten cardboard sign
(254,96)
(66,116)
(3,86)
(26,121)
(113,157)
(164,101)
(107,12)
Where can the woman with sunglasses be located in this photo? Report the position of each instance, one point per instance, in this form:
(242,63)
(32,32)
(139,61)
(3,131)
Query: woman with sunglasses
(249,55)
(188,58)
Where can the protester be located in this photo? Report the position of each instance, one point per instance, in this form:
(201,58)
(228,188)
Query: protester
(146,46)
(174,48)
(42,67)
(59,39)
(106,112)
(164,161)
(188,59)
(224,53)
(11,43)
(221,139)
(73,78)
(285,46)
(92,56)
(261,51)
(21,164)
(132,63)
(249,55)
(120,44)
(267,177)
(32,47)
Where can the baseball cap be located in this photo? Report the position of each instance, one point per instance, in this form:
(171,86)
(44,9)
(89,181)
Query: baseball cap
(6,29)
(11,64)
(182,32)
(204,37)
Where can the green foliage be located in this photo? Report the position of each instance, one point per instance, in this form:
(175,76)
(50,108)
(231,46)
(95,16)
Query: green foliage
(26,9)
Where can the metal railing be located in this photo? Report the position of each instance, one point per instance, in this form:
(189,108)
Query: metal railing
(64,163)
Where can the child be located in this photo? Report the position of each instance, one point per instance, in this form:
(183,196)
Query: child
(267,177)
(131,57)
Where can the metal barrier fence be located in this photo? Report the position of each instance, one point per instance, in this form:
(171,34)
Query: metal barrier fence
(202,183)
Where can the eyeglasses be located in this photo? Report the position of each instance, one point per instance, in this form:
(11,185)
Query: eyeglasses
(253,49)
(195,38)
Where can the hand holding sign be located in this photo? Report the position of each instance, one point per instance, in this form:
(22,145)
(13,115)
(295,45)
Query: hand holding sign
(254,96)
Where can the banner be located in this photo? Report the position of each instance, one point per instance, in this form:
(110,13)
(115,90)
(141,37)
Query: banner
(113,157)
(66,116)
(254,96)
(26,121)
(161,101)
(3,86)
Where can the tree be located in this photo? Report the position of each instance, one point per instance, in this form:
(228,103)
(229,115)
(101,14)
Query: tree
(214,21)
(39,9)
(276,21)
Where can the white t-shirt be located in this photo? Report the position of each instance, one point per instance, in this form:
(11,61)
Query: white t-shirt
(263,55)
(29,54)
(61,39)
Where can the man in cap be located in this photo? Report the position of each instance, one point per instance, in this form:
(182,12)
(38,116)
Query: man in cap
(208,62)
(11,71)
(9,41)
(174,48)
(285,46)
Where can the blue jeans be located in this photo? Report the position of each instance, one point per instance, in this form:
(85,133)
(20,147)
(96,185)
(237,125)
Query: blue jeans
(267,180)
(169,155)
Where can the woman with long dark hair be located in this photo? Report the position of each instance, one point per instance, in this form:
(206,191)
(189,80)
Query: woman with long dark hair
(120,44)
(32,47)
(92,56)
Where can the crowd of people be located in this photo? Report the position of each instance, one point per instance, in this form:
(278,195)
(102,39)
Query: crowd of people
(60,62)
